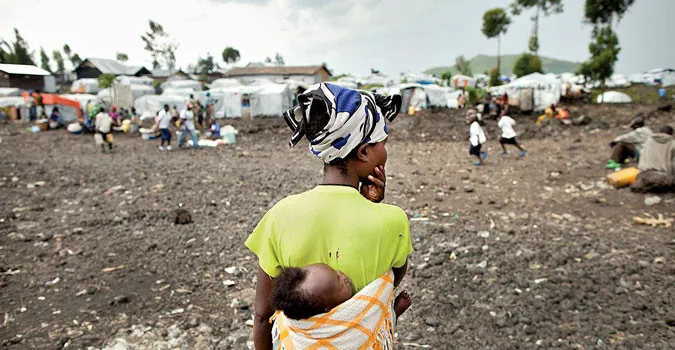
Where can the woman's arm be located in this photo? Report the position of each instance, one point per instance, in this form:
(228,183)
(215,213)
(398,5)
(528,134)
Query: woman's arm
(262,329)
(399,272)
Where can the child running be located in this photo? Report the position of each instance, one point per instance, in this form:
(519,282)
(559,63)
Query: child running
(506,124)
(476,136)
(315,289)
(163,123)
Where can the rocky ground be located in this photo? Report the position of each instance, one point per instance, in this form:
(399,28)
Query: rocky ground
(519,254)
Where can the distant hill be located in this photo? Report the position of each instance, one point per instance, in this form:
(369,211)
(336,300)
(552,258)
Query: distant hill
(482,63)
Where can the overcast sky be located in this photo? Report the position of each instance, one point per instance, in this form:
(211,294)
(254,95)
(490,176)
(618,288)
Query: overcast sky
(351,36)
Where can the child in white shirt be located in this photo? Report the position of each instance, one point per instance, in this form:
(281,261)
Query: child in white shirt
(506,124)
(476,137)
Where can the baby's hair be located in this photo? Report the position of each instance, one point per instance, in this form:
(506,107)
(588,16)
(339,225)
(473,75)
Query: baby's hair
(287,296)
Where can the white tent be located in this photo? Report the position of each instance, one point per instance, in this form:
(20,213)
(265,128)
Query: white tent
(412,95)
(546,90)
(85,86)
(618,80)
(7,92)
(263,100)
(137,91)
(224,83)
(182,92)
(182,84)
(130,80)
(439,96)
(462,81)
(12,101)
(149,105)
(613,97)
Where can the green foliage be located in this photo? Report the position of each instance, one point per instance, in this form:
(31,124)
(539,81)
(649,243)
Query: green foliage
(494,77)
(336,77)
(206,65)
(495,22)
(473,95)
(446,76)
(526,64)
(546,6)
(75,60)
(463,66)
(16,52)
(106,80)
(404,81)
(160,45)
(58,59)
(122,57)
(604,11)
(533,44)
(230,55)
(279,60)
(604,54)
(268,59)
(44,60)
(368,87)
(66,50)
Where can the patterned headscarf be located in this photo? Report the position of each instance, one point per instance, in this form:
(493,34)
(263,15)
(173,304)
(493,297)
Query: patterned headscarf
(351,118)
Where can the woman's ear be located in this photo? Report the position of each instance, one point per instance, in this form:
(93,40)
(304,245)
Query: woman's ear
(362,152)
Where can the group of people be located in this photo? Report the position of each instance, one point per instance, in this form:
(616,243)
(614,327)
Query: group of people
(477,136)
(653,151)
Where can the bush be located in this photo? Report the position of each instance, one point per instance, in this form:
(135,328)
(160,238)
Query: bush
(494,77)
(473,95)
(106,80)
(527,64)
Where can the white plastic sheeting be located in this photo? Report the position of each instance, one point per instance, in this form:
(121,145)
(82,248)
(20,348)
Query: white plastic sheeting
(546,90)
(149,105)
(127,80)
(224,83)
(87,86)
(83,99)
(618,80)
(264,100)
(182,92)
(12,101)
(7,92)
(137,91)
(439,96)
(462,81)
(613,97)
(182,84)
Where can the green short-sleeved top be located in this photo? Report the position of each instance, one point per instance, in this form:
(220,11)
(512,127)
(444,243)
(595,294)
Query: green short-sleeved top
(334,225)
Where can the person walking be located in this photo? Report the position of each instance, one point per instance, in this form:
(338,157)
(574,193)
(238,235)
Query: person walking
(103,129)
(164,124)
(506,124)
(187,126)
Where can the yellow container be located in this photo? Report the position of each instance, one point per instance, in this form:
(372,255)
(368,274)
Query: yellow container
(110,138)
(411,110)
(623,178)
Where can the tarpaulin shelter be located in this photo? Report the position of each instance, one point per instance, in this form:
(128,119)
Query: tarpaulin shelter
(613,97)
(182,84)
(462,81)
(544,91)
(70,110)
(85,86)
(149,105)
(130,80)
(137,91)
(254,101)
(7,92)
(413,94)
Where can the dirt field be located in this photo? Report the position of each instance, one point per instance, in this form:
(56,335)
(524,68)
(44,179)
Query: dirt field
(518,254)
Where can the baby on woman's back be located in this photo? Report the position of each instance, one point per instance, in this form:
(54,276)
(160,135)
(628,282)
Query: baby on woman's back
(303,292)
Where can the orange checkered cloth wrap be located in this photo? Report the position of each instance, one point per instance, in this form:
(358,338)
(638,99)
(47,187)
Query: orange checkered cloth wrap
(365,321)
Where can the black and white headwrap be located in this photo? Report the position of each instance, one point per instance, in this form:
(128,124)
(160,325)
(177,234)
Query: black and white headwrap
(354,117)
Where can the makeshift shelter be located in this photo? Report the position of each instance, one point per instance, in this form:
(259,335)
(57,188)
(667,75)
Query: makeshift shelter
(93,67)
(462,81)
(85,86)
(14,108)
(617,80)
(70,110)
(613,97)
(439,96)
(253,101)
(137,91)
(130,80)
(535,90)
(149,105)
(182,92)
(224,83)
(412,95)
(8,92)
(182,84)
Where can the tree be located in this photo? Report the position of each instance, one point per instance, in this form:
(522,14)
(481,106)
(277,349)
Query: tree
(526,64)
(279,60)
(494,76)
(66,50)
(206,65)
(58,59)
(604,48)
(268,59)
(17,52)
(75,60)
(462,66)
(230,55)
(545,7)
(161,46)
(495,23)
(106,80)
(44,60)
(122,57)
(446,76)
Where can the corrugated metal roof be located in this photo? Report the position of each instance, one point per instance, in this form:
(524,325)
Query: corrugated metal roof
(24,69)
(108,66)
(277,70)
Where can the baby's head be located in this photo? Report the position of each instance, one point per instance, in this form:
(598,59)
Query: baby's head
(311,290)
